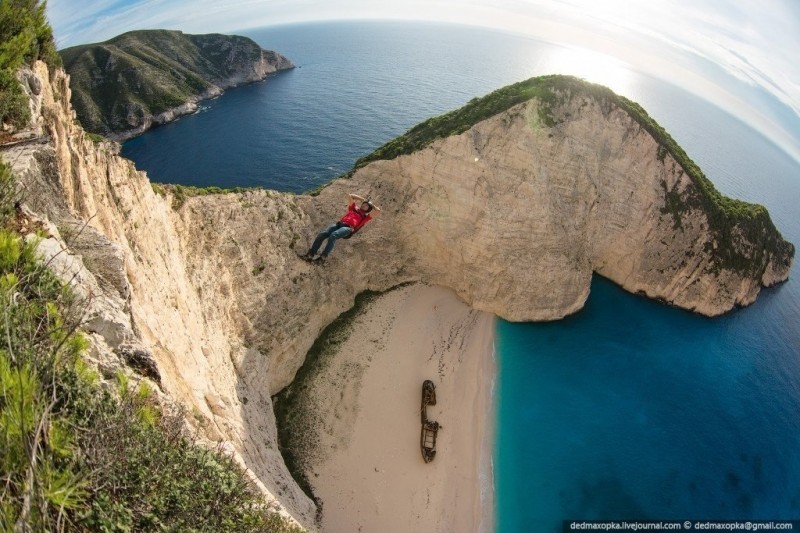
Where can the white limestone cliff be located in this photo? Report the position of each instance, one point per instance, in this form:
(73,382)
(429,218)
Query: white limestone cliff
(210,300)
(147,300)
(516,217)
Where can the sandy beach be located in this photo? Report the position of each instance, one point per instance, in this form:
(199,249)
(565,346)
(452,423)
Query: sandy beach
(367,468)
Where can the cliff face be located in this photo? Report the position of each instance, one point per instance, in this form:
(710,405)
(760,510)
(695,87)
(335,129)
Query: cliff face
(140,79)
(514,214)
(124,248)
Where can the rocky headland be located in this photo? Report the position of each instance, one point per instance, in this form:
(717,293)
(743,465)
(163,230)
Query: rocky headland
(140,79)
(513,202)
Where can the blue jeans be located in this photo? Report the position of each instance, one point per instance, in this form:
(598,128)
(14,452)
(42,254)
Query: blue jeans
(332,232)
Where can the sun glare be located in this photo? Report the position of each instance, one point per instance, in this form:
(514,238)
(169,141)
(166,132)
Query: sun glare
(591,66)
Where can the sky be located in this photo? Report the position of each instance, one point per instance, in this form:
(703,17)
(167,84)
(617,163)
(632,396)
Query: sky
(740,54)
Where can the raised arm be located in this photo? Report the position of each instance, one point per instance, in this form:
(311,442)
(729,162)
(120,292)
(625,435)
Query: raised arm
(354,197)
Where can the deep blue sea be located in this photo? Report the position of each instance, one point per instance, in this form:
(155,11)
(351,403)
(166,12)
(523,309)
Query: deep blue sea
(628,409)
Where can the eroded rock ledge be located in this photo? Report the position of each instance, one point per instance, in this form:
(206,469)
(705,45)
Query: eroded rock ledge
(514,212)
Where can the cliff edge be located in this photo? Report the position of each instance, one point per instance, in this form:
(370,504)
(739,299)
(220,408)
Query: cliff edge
(140,79)
(517,210)
(513,202)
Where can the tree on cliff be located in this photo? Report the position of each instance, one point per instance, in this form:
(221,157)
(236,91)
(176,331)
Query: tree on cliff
(25,36)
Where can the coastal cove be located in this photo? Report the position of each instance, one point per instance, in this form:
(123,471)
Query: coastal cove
(349,423)
(521,339)
(628,407)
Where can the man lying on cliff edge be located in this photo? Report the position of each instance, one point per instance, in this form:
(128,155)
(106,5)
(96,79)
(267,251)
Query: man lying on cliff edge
(350,223)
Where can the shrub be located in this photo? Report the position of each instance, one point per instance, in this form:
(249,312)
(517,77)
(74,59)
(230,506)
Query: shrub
(157,477)
(13,101)
(77,455)
(40,467)
(180,193)
(25,36)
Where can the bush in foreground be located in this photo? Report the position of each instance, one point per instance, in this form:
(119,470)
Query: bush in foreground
(78,455)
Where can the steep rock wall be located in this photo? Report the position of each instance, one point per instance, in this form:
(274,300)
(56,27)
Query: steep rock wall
(146,297)
(516,216)
(512,214)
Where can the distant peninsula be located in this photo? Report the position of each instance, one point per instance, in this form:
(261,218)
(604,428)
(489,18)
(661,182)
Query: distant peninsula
(140,79)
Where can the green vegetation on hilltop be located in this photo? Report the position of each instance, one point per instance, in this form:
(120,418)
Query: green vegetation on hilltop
(25,36)
(476,110)
(731,221)
(180,193)
(115,84)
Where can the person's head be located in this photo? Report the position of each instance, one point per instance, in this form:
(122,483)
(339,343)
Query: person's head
(366,207)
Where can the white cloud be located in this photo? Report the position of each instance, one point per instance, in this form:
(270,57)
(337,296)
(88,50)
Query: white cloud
(756,42)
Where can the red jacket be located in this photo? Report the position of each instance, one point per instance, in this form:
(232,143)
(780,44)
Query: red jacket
(355,218)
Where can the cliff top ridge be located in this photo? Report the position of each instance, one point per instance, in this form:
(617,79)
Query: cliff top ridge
(554,92)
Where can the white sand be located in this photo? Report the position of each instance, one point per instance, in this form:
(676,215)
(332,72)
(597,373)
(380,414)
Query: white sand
(370,475)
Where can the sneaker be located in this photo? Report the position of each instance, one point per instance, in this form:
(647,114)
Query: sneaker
(319,260)
(308,256)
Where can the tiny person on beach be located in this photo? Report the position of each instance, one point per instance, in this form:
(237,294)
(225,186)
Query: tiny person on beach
(352,221)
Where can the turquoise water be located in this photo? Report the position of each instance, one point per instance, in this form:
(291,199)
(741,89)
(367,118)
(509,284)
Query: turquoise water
(633,409)
(630,408)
